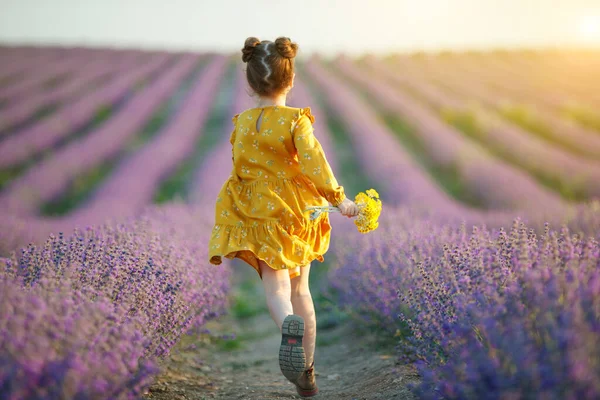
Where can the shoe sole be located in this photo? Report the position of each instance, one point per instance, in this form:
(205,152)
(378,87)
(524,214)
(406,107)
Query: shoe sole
(292,359)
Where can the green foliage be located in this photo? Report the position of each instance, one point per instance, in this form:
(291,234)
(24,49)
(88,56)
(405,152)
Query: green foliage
(523,117)
(8,174)
(54,81)
(157,121)
(527,119)
(583,116)
(102,114)
(230,343)
(465,122)
(244,303)
(78,191)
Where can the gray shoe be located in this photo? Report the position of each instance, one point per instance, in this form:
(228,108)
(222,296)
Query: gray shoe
(292,360)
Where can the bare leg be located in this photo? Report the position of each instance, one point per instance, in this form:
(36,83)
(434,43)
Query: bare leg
(278,292)
(303,306)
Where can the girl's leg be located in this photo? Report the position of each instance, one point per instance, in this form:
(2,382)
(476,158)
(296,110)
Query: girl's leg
(277,290)
(304,307)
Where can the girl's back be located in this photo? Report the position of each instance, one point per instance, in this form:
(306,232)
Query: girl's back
(263,143)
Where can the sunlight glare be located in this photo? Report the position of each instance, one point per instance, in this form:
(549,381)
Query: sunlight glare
(590,27)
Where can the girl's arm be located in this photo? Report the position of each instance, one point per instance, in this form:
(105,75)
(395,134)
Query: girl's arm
(313,161)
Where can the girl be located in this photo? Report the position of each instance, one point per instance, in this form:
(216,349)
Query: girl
(279,169)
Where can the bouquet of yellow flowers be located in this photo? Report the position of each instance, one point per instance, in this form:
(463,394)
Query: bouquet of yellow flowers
(369,209)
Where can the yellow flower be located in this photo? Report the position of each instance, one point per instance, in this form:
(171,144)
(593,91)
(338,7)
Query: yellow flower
(369,207)
(369,210)
(372,193)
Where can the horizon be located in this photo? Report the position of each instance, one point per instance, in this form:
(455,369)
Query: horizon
(333,27)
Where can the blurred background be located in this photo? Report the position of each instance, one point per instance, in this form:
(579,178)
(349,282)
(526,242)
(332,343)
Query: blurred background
(485,107)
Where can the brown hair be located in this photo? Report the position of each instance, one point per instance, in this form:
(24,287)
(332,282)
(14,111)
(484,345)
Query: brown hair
(270,68)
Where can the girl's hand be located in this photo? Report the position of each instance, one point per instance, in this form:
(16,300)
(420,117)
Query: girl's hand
(348,208)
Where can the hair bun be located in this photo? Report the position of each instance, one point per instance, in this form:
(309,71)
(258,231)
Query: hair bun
(285,47)
(249,47)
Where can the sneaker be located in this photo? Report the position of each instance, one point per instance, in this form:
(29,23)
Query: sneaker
(291,353)
(306,385)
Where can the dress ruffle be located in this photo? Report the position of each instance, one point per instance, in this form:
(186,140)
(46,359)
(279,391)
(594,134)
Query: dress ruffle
(267,242)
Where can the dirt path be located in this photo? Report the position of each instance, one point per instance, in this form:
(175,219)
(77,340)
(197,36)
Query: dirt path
(348,364)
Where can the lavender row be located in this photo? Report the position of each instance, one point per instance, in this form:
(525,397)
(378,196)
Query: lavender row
(558,129)
(569,108)
(73,114)
(28,62)
(584,64)
(217,165)
(25,62)
(504,312)
(88,315)
(496,71)
(542,75)
(581,176)
(49,178)
(55,70)
(62,365)
(20,111)
(133,183)
(561,104)
(496,183)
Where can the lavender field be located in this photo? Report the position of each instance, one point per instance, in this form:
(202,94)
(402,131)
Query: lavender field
(484,275)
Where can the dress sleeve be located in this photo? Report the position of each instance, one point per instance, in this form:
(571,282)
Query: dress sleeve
(313,161)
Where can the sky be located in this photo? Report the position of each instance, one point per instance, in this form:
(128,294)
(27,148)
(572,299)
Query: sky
(325,26)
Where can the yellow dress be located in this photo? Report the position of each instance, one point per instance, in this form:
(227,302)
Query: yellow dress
(278,171)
